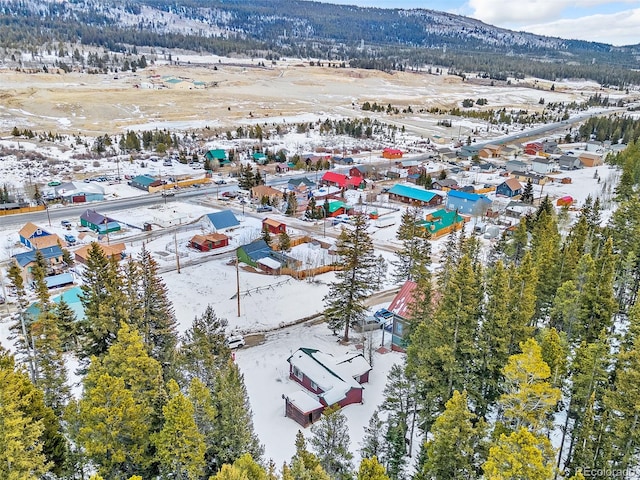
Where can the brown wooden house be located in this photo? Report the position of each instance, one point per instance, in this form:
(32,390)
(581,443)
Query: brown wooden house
(115,251)
(206,243)
(274,226)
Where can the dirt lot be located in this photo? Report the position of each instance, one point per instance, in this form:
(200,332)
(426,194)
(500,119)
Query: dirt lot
(222,96)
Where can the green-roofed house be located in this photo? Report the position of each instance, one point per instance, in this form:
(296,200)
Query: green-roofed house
(442,222)
(335,208)
(414,195)
(259,158)
(218,155)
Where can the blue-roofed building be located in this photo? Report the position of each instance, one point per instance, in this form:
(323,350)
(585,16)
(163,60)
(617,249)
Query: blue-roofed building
(414,195)
(26,261)
(221,221)
(468,203)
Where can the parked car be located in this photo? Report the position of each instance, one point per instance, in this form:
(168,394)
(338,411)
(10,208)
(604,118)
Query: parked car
(264,208)
(220,182)
(235,341)
(66,223)
(70,239)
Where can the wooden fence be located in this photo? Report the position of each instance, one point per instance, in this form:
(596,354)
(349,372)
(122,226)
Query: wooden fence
(310,272)
(16,211)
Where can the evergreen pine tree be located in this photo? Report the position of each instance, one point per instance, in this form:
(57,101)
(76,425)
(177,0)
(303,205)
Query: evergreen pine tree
(522,301)
(103,301)
(527,194)
(622,404)
(555,353)
(589,382)
(158,323)
(180,447)
(528,397)
(370,469)
(394,450)
(284,241)
(494,338)
(233,433)
(31,443)
(520,455)
(266,235)
(344,304)
(203,349)
(67,324)
(450,450)
(19,332)
(545,249)
(292,204)
(304,464)
(565,311)
(52,372)
(204,415)
(415,253)
(598,302)
(373,440)
(330,440)
(121,406)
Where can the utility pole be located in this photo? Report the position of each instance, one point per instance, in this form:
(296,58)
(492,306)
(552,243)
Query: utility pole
(238,281)
(175,243)
(106,228)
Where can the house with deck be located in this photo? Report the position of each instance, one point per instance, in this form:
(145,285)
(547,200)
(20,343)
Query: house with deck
(330,379)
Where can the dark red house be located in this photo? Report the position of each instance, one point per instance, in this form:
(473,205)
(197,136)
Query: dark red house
(274,226)
(302,407)
(533,148)
(205,243)
(334,380)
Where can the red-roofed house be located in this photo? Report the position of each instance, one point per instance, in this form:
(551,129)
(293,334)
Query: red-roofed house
(400,307)
(341,181)
(391,153)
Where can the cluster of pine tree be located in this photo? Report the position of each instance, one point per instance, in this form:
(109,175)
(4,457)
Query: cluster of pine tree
(538,342)
(153,404)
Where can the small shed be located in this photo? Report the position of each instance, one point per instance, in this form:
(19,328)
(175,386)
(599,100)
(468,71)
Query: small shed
(565,201)
(274,226)
(302,407)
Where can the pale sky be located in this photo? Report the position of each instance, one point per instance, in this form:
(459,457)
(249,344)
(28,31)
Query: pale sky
(616,22)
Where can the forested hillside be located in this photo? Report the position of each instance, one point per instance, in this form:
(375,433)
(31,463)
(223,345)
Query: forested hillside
(385,39)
